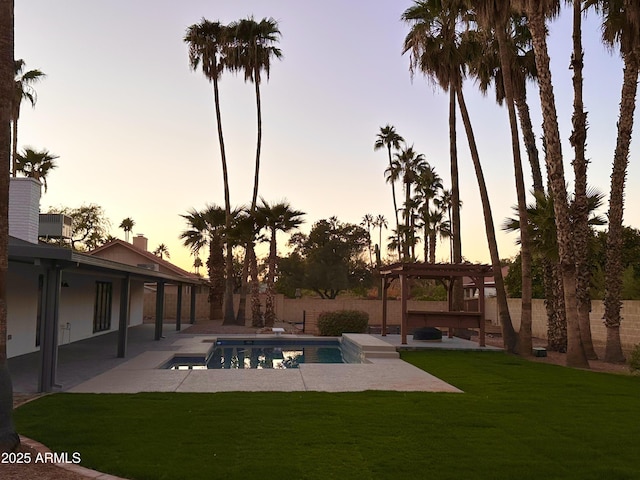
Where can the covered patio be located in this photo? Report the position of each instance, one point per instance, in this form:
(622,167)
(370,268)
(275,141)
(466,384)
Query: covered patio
(411,319)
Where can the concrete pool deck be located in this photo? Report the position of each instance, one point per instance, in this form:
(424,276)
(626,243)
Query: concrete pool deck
(85,372)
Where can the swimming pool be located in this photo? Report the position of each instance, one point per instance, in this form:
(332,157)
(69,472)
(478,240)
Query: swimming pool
(267,353)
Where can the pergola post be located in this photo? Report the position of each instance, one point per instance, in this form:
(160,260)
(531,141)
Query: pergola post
(179,309)
(159,309)
(404,296)
(385,288)
(123,323)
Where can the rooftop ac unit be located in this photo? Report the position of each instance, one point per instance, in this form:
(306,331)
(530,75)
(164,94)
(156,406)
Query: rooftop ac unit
(55,225)
(150,266)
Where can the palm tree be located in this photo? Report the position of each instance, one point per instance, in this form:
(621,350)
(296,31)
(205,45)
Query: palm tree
(406,166)
(9,439)
(435,48)
(496,15)
(621,28)
(35,164)
(276,217)
(197,263)
(428,185)
(251,50)
(127,225)
(205,230)
(368,222)
(537,11)
(23,90)
(207,41)
(161,251)
(391,140)
(380,222)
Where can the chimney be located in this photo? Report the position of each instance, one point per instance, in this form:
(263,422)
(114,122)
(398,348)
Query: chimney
(24,208)
(140,241)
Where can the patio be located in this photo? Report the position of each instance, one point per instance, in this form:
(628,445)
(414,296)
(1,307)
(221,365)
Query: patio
(92,366)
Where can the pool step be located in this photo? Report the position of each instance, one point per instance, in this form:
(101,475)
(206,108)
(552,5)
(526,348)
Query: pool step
(370,347)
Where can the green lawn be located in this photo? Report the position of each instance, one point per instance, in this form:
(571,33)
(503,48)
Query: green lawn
(516,420)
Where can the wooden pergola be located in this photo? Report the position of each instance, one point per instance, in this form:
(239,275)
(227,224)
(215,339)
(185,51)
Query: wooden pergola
(441,271)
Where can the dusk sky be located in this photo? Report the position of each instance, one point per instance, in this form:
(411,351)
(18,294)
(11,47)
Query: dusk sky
(135,128)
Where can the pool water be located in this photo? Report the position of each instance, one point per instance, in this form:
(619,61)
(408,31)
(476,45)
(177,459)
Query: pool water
(262,354)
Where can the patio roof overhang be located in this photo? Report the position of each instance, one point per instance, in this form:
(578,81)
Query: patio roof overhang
(54,260)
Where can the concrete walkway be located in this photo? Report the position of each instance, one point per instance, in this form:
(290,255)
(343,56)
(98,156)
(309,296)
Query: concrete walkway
(91,366)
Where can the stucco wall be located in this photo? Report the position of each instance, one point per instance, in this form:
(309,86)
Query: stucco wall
(77,299)
(22,307)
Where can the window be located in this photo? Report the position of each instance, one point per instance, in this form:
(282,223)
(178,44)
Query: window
(102,308)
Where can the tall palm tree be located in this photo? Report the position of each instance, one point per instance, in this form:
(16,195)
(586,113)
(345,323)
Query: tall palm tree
(23,90)
(406,166)
(207,42)
(435,48)
(127,225)
(9,439)
(252,49)
(537,11)
(496,15)
(161,251)
(388,138)
(580,208)
(621,28)
(36,164)
(276,217)
(205,230)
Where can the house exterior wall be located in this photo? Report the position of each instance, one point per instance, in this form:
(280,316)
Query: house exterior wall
(77,302)
(24,209)
(22,308)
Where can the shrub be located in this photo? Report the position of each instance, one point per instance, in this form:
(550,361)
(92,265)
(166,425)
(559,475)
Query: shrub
(634,360)
(336,323)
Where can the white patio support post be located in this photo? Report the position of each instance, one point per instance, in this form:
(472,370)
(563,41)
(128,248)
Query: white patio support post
(159,309)
(49,329)
(125,296)
(179,309)
(192,312)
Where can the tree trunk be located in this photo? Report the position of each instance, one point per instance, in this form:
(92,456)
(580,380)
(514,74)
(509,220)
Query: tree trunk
(256,306)
(557,321)
(229,317)
(524,337)
(269,308)
(581,231)
(575,352)
(613,271)
(9,439)
(508,332)
(457,292)
(395,206)
(529,139)
(242,304)
(215,266)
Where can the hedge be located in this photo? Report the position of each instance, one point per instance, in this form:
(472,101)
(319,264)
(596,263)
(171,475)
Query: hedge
(338,322)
